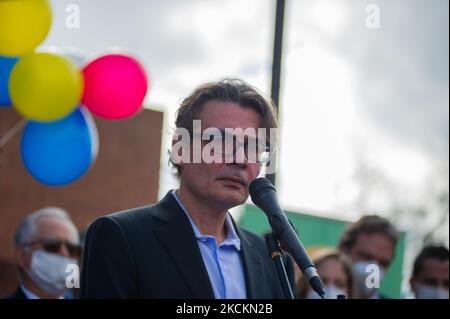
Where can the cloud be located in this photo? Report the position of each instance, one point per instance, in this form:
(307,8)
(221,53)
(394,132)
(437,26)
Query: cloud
(402,69)
(349,88)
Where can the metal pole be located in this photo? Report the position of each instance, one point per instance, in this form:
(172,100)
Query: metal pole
(276,65)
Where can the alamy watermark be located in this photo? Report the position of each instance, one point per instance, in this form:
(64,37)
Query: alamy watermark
(374,276)
(73,276)
(373,18)
(72,20)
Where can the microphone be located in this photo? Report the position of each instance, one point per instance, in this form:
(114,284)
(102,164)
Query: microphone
(264,195)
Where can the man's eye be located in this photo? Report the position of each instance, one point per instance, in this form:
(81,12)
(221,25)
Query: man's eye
(430,282)
(363,256)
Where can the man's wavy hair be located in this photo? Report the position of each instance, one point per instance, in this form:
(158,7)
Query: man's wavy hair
(368,224)
(227,90)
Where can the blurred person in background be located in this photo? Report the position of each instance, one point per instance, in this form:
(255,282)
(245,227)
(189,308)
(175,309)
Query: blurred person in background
(46,242)
(430,273)
(336,273)
(370,245)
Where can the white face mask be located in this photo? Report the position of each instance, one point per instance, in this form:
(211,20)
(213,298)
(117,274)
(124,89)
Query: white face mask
(361,271)
(331,291)
(48,271)
(429,292)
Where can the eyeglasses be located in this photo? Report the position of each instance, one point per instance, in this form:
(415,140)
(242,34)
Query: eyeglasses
(54,246)
(225,143)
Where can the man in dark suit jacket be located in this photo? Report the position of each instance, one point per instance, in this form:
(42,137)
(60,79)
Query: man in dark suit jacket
(46,242)
(187,245)
(18,294)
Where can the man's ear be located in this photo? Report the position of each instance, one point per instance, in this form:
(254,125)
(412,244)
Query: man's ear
(175,150)
(174,141)
(342,249)
(412,283)
(22,257)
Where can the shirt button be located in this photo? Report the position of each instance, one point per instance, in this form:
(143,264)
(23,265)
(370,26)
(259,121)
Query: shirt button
(225,267)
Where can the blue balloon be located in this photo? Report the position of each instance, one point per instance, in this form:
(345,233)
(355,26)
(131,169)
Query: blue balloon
(58,153)
(6,66)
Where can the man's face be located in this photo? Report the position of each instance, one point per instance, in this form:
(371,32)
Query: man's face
(49,233)
(375,247)
(223,185)
(434,273)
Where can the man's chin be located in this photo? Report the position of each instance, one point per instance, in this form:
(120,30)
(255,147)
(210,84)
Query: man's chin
(233,197)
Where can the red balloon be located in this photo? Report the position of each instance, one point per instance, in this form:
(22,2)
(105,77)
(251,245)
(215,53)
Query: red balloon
(115,86)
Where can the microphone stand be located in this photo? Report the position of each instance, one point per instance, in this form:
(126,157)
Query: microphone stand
(275,253)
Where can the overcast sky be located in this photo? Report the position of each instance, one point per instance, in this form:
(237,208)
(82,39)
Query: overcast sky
(351,95)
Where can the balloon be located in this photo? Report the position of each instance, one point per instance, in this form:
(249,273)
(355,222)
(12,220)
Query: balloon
(6,65)
(23,25)
(115,86)
(45,86)
(58,153)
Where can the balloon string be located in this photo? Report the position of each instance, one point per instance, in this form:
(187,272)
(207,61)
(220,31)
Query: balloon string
(12,132)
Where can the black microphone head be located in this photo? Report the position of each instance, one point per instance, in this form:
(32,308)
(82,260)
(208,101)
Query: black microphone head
(259,186)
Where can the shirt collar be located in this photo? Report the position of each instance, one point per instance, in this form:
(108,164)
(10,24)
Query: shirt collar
(232,237)
(28,293)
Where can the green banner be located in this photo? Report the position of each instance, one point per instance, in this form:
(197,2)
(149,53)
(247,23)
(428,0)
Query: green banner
(317,232)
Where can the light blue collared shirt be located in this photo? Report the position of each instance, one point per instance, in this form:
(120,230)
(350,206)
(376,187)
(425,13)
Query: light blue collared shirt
(223,262)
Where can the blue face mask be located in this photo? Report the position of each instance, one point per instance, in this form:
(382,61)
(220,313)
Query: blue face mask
(331,292)
(429,292)
(48,271)
(368,277)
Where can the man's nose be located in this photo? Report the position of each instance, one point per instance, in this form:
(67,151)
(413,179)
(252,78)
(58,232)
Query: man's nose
(63,251)
(239,157)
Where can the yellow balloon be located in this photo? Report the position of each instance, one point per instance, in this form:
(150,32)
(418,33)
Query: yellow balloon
(24,24)
(45,87)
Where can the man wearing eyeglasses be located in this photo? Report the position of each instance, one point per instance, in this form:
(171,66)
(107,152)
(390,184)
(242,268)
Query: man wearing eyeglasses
(47,242)
(188,245)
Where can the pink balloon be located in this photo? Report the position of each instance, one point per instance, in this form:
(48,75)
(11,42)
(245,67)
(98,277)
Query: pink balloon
(114,86)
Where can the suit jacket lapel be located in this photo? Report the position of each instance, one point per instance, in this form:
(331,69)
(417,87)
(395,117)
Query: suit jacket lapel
(176,235)
(252,261)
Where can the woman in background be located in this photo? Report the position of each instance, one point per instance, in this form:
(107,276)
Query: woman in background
(336,274)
